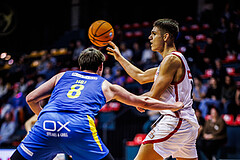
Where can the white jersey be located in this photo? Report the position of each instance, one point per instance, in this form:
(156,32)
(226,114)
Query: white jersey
(180,91)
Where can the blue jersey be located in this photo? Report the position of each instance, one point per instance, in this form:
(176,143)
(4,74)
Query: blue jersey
(66,124)
(78,92)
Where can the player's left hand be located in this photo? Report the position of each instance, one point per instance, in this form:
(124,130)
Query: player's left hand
(140,109)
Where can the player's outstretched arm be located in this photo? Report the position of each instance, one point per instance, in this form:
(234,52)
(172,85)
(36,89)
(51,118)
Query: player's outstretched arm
(42,92)
(116,92)
(137,74)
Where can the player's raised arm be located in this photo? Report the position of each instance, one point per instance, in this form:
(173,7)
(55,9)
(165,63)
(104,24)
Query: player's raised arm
(116,92)
(42,92)
(137,74)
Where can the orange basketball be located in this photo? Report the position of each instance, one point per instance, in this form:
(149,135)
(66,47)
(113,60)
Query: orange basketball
(100,32)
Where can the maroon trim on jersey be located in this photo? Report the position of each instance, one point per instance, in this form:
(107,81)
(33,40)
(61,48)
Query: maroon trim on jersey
(176,92)
(168,136)
(182,78)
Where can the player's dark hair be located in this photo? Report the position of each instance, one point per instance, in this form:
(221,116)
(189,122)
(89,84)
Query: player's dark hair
(167,26)
(90,59)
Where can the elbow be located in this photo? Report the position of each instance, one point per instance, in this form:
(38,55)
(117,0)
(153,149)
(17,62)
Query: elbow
(141,80)
(30,98)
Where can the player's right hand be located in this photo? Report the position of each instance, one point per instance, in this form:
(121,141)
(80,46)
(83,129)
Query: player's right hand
(114,51)
(179,105)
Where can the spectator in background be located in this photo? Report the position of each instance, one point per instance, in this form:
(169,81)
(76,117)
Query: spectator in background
(41,68)
(147,53)
(199,92)
(137,53)
(40,80)
(213,97)
(153,116)
(237,98)
(50,70)
(3,110)
(23,85)
(219,71)
(201,122)
(193,57)
(126,52)
(3,88)
(214,134)
(108,74)
(119,78)
(212,50)
(152,62)
(18,102)
(228,95)
(8,127)
(77,51)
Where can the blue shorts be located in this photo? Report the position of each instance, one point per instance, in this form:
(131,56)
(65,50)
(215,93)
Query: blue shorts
(58,132)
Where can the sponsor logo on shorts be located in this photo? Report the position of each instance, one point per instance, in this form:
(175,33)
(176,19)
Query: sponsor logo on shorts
(54,131)
(151,134)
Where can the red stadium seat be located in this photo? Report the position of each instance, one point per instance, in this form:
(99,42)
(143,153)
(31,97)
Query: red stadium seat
(201,37)
(194,27)
(115,106)
(230,58)
(137,140)
(231,71)
(129,34)
(229,119)
(136,25)
(237,121)
(205,26)
(137,34)
(208,73)
(146,24)
(184,29)
(126,26)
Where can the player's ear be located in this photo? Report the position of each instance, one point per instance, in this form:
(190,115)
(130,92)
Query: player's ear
(100,68)
(166,37)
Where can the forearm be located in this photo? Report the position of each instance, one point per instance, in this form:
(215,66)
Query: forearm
(153,104)
(131,70)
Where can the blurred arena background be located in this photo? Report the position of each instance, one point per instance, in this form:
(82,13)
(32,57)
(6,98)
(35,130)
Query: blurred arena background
(41,38)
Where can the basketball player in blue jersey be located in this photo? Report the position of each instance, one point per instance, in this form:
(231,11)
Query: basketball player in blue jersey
(66,124)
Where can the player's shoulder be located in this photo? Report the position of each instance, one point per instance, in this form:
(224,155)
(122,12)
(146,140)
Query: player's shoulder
(172,59)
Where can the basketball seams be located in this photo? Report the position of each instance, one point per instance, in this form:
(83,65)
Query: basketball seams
(98,28)
(103,33)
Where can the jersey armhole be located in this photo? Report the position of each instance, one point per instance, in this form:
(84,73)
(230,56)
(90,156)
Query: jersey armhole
(60,79)
(182,78)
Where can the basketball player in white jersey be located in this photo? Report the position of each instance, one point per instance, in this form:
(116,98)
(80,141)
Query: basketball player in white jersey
(175,134)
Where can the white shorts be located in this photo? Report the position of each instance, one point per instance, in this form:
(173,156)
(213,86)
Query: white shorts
(174,137)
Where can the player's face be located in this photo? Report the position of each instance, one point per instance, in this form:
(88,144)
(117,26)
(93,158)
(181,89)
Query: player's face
(156,40)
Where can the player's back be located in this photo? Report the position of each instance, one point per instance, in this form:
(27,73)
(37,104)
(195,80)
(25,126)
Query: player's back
(79,92)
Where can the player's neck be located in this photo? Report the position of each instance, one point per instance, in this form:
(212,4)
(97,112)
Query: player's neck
(168,50)
(89,71)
